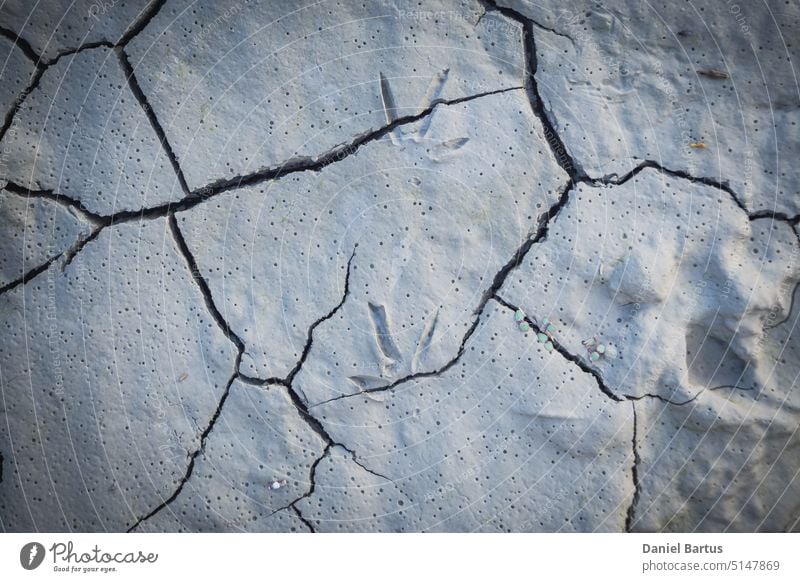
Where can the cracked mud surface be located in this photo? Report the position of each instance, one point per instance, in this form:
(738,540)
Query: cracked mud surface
(476,266)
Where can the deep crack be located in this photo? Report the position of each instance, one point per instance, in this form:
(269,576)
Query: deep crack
(303,519)
(302,408)
(22,44)
(490,293)
(36,271)
(300,404)
(288,382)
(334,155)
(20,99)
(775,215)
(663,399)
(145,16)
(60,199)
(491,5)
(136,89)
(69,254)
(79,245)
(362,465)
(630,519)
(321,320)
(42,65)
(205,290)
(614,180)
(417,375)
(564,352)
(531,64)
(74,51)
(551,30)
(220,321)
(99,221)
(193,198)
(313,480)
(41,69)
(559,149)
(193,456)
(596,374)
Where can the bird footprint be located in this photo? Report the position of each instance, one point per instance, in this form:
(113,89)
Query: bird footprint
(438,151)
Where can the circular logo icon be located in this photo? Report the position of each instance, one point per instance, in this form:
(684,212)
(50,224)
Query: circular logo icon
(31,555)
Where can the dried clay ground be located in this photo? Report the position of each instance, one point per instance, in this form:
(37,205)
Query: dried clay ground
(389,266)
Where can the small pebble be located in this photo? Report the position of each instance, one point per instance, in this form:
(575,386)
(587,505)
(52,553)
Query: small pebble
(601,349)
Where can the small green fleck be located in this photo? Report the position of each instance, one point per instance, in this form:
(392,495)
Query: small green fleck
(523,326)
(549,346)
(519,315)
(594,357)
(541,337)
(551,328)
